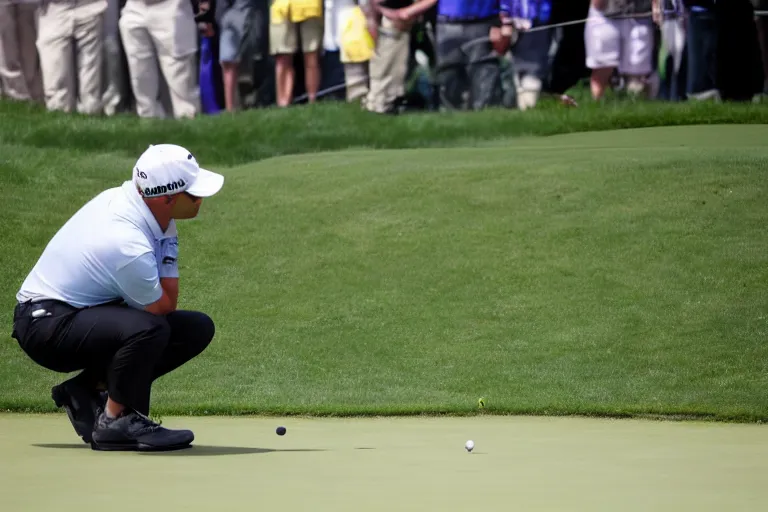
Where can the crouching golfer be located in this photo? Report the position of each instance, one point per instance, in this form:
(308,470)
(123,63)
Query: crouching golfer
(102,299)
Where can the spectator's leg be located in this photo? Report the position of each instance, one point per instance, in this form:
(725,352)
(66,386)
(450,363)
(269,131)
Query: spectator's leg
(229,74)
(761,23)
(599,81)
(283,43)
(55,47)
(311,39)
(483,68)
(387,68)
(284,76)
(636,62)
(142,62)
(602,41)
(702,56)
(332,76)
(255,52)
(115,97)
(89,48)
(176,45)
(673,35)
(229,56)
(181,76)
(30,61)
(451,75)
(356,80)
(568,67)
(12,76)
(531,59)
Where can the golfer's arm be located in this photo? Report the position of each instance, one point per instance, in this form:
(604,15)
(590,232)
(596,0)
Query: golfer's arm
(168,301)
(171,287)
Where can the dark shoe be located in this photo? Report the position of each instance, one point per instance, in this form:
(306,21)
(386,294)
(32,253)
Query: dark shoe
(134,431)
(81,404)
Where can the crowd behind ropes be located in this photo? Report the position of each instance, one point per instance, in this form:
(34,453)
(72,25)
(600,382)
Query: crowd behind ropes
(185,58)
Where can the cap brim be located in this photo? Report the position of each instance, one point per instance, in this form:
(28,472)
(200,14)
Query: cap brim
(206,184)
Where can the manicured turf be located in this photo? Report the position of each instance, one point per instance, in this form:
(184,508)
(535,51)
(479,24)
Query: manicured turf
(385,464)
(601,273)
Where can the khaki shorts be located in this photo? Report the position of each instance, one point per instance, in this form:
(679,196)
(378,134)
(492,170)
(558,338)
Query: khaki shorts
(284,37)
(626,43)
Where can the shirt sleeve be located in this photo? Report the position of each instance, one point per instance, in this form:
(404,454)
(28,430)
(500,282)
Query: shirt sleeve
(506,8)
(138,281)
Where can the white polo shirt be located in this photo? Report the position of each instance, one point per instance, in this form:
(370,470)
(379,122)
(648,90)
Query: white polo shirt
(105,252)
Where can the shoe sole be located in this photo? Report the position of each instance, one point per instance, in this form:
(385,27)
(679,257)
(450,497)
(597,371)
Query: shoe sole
(136,447)
(61,399)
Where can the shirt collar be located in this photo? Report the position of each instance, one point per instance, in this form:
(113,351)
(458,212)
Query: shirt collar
(140,207)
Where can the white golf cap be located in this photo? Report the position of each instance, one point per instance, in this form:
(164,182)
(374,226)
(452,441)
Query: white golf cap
(166,169)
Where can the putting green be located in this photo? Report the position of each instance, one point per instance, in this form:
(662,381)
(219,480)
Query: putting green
(519,463)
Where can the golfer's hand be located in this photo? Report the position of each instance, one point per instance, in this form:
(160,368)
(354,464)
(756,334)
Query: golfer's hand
(167,255)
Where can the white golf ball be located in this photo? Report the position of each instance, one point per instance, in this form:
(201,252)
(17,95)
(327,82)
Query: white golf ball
(470,445)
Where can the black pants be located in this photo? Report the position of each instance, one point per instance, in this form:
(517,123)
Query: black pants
(702,52)
(466,61)
(122,346)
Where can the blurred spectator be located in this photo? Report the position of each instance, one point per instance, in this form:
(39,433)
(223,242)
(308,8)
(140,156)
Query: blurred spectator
(761,23)
(357,47)
(702,50)
(256,83)
(70,42)
(292,21)
(470,38)
(331,68)
(209,80)
(20,77)
(391,22)
(531,52)
(161,32)
(619,36)
(569,63)
(739,64)
(117,96)
(669,15)
(233,18)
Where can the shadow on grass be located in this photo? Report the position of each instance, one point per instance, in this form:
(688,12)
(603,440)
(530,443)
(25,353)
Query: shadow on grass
(62,446)
(204,450)
(194,450)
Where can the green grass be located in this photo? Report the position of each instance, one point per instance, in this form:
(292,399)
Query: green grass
(266,133)
(616,273)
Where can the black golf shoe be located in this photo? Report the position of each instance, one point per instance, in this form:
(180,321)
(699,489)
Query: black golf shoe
(134,431)
(81,404)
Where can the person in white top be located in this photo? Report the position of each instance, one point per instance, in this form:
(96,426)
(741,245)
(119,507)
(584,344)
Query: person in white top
(102,299)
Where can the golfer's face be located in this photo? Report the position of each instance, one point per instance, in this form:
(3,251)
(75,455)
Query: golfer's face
(187,206)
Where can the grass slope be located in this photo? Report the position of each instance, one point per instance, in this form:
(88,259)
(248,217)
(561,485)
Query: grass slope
(614,273)
(259,134)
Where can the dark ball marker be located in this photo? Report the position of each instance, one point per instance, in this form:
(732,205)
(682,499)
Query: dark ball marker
(280,431)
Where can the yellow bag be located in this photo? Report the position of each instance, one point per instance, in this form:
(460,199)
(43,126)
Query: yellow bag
(294,10)
(355,41)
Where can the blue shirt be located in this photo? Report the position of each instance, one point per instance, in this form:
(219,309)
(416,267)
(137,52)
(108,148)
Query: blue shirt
(537,11)
(468,10)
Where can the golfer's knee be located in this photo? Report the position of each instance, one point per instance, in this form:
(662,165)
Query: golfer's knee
(156,334)
(199,327)
(206,329)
